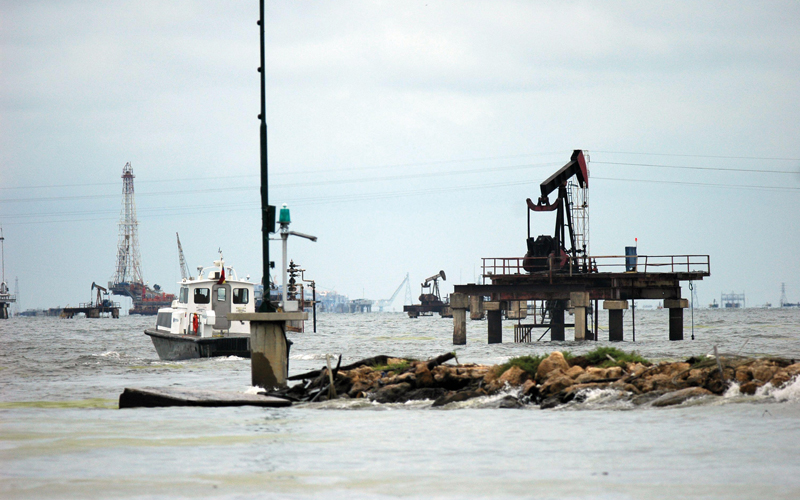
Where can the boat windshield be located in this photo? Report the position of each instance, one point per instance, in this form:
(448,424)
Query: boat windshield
(202,295)
(184,295)
(241,296)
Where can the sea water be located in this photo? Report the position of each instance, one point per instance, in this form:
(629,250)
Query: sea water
(62,436)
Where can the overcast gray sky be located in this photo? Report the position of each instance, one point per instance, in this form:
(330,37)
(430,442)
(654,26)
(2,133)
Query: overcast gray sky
(405,135)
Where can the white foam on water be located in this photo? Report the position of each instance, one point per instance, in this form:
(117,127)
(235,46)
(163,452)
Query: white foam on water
(311,357)
(599,398)
(109,354)
(732,391)
(789,392)
(228,358)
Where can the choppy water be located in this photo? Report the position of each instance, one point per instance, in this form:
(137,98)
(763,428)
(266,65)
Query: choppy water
(61,435)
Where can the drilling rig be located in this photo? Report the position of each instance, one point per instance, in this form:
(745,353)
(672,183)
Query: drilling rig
(127,280)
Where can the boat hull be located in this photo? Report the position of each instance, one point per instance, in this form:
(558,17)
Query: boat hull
(172,347)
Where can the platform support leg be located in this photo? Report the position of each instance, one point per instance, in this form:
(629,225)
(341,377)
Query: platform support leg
(557,321)
(615,308)
(579,301)
(458,304)
(475,307)
(495,320)
(676,307)
(269,357)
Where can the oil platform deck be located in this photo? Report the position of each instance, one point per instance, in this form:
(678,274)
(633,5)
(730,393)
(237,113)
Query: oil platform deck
(622,279)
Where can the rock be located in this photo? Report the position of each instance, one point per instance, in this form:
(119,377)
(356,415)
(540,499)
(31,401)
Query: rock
(514,376)
(750,387)
(422,394)
(780,378)
(636,368)
(529,388)
(554,385)
(763,370)
(615,372)
(423,375)
(407,377)
(643,399)
(390,393)
(510,402)
(574,371)
(697,377)
(550,402)
(555,361)
(450,377)
(793,370)
(452,397)
(678,397)
(743,374)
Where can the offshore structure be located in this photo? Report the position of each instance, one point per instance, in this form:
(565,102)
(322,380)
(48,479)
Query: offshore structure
(127,280)
(6,297)
(558,273)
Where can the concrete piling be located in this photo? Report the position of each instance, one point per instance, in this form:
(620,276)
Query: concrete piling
(458,303)
(557,321)
(580,301)
(495,320)
(475,307)
(615,308)
(269,353)
(676,307)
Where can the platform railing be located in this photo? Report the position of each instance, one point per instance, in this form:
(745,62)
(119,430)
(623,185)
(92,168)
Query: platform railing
(510,266)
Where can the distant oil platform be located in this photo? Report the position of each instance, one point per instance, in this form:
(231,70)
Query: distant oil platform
(128,280)
(6,297)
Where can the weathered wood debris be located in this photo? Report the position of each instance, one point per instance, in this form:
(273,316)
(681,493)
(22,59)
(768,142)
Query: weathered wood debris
(557,380)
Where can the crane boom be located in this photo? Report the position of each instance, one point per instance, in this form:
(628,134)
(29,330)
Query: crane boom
(184,268)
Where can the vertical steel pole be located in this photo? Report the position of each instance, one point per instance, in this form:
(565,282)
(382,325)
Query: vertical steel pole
(266,305)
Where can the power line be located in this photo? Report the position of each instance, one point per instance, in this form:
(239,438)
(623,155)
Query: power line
(358,197)
(295,184)
(699,168)
(295,172)
(697,156)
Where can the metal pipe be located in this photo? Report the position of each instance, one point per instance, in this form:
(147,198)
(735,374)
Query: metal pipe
(266,305)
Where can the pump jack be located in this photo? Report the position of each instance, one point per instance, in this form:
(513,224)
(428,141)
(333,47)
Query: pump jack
(549,253)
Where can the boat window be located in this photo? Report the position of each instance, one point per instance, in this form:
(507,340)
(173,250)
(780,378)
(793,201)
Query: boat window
(164,319)
(184,297)
(202,295)
(221,295)
(241,296)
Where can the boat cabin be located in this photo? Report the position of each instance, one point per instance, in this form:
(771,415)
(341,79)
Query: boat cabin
(204,302)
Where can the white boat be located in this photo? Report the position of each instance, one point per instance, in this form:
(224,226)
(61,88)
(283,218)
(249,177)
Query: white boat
(197,325)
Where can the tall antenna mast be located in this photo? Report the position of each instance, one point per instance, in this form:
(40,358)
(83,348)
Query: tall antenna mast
(128,259)
(267,212)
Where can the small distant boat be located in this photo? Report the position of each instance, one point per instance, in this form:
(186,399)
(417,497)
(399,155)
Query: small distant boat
(714,305)
(197,325)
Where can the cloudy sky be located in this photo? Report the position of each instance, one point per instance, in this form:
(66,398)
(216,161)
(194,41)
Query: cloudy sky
(405,135)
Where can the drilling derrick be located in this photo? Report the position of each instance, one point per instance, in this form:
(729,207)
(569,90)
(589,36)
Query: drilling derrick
(129,268)
(128,281)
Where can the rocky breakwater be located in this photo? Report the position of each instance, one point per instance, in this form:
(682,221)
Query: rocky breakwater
(548,381)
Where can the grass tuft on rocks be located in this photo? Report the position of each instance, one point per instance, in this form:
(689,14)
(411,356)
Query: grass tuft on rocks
(393,367)
(600,357)
(528,363)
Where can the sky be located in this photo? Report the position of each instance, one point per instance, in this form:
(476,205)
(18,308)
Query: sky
(406,136)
